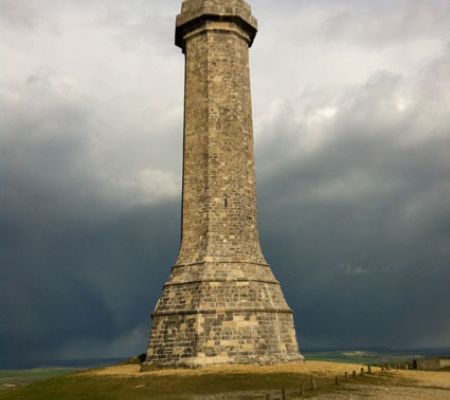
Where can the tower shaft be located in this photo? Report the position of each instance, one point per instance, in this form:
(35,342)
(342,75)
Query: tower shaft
(219,193)
(222,304)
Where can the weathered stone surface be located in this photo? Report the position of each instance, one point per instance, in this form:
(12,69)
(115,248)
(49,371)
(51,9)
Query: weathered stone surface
(222,303)
(196,12)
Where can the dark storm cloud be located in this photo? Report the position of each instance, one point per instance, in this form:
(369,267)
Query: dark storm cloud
(363,226)
(352,133)
(75,262)
(65,248)
(43,150)
(82,283)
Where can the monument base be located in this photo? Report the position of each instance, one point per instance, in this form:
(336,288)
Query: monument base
(204,362)
(221,313)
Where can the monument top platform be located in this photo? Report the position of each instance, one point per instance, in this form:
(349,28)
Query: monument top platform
(195,12)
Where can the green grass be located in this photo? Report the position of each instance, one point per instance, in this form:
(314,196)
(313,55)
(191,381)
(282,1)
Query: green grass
(23,377)
(252,386)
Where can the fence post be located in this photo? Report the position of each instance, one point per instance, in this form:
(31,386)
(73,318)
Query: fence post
(346,376)
(283,394)
(313,384)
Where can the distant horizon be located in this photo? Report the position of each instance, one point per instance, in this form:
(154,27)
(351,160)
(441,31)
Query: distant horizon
(99,362)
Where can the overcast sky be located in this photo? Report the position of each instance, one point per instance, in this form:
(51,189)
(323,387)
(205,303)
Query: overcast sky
(352,125)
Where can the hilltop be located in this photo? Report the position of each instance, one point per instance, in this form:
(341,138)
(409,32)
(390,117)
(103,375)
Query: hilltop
(126,382)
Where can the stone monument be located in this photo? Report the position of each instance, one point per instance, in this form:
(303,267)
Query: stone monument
(222,304)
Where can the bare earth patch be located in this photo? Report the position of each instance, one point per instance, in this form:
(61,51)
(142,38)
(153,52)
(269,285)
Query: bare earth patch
(389,393)
(428,379)
(313,368)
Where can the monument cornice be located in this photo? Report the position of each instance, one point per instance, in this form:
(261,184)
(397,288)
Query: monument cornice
(192,17)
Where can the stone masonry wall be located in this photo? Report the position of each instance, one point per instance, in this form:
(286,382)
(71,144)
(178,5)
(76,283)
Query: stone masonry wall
(219,192)
(222,303)
(210,314)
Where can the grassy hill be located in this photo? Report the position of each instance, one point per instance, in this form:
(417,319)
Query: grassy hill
(125,382)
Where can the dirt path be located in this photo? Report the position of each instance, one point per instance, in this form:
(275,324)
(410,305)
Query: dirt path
(351,392)
(388,393)
(313,368)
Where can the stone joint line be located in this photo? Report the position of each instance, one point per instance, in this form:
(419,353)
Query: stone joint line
(223,311)
(219,281)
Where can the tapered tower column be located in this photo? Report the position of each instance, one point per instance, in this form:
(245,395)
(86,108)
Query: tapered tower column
(222,303)
(219,194)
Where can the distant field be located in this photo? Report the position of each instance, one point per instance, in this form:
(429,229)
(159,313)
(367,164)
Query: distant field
(368,357)
(11,379)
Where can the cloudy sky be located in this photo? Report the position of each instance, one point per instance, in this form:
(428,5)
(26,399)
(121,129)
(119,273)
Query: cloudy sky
(352,125)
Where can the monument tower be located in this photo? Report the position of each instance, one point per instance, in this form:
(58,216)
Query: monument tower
(222,304)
